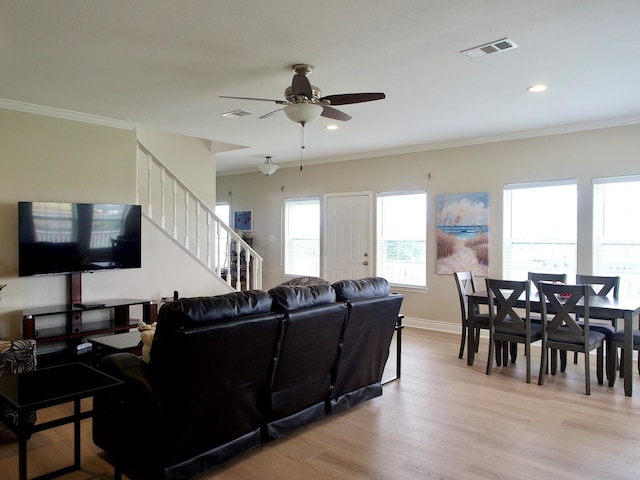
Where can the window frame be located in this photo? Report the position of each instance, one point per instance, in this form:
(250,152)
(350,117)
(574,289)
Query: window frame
(379,240)
(508,270)
(285,240)
(629,276)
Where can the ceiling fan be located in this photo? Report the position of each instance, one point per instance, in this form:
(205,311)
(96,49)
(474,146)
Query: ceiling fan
(305,103)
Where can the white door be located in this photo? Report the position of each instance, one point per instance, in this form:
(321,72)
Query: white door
(347,236)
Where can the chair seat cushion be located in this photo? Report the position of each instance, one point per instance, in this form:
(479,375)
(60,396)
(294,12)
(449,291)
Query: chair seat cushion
(536,331)
(594,338)
(618,337)
(480,320)
(604,328)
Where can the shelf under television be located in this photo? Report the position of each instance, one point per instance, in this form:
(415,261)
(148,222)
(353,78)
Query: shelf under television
(61,333)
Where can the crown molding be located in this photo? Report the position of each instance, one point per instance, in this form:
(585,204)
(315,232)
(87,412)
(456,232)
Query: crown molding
(65,114)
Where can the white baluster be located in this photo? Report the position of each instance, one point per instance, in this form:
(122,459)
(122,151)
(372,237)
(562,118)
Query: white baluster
(186,219)
(198,229)
(175,209)
(163,215)
(149,170)
(209,240)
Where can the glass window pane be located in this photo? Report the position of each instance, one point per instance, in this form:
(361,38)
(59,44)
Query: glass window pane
(540,230)
(302,237)
(616,233)
(401,238)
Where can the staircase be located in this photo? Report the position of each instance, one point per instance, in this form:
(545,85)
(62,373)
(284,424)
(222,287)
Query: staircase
(193,225)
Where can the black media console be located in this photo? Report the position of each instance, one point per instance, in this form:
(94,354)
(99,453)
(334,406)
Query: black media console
(64,339)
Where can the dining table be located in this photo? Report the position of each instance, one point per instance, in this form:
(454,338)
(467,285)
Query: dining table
(625,307)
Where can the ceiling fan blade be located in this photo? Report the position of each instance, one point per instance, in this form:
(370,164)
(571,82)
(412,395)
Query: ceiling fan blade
(334,114)
(301,86)
(270,114)
(279,102)
(347,98)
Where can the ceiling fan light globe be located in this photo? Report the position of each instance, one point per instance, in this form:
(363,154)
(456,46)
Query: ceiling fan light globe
(268,168)
(303,112)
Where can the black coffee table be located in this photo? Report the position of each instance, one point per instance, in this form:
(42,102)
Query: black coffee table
(47,387)
(119,342)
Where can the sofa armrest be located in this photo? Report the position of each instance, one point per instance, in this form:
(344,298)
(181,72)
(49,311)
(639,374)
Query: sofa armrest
(136,377)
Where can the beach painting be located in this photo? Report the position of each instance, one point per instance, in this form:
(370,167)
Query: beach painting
(462,232)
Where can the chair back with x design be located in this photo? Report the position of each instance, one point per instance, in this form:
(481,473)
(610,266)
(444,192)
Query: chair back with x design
(503,295)
(600,286)
(507,323)
(561,331)
(562,300)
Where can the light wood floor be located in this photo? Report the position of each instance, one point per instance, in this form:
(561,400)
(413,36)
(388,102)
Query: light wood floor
(442,420)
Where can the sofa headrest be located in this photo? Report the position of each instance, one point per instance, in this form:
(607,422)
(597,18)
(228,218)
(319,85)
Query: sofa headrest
(361,288)
(203,310)
(293,297)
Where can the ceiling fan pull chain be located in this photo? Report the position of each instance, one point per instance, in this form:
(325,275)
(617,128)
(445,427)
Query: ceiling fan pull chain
(302,147)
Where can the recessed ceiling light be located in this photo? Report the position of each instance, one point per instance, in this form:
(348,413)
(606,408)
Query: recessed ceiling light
(332,127)
(537,88)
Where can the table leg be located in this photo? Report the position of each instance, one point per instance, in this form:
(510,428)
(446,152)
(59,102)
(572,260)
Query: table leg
(399,351)
(23,433)
(76,434)
(628,357)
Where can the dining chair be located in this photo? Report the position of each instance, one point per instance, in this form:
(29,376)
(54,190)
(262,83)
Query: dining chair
(561,331)
(466,284)
(505,323)
(602,287)
(617,341)
(534,278)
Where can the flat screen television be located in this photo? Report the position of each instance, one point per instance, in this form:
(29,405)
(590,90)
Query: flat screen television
(58,237)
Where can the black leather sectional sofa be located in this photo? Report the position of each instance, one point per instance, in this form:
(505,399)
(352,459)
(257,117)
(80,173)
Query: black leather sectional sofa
(231,372)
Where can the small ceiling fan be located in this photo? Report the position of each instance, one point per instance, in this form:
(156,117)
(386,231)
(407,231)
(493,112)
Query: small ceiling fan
(304,102)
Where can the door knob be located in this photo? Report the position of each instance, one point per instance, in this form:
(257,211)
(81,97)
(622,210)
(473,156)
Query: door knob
(365,263)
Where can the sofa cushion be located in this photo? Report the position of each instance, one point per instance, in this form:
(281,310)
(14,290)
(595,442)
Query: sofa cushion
(294,297)
(199,311)
(361,288)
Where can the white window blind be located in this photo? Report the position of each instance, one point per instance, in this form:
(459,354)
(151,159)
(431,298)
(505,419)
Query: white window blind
(302,236)
(539,229)
(401,246)
(616,230)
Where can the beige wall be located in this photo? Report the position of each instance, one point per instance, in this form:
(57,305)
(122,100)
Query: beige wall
(54,159)
(583,155)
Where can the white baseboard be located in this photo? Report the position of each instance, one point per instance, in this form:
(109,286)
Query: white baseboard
(437,325)
(448,327)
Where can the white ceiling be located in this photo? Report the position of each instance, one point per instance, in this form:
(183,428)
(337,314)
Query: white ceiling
(164,63)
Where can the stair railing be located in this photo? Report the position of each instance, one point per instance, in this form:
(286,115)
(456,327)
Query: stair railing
(168,203)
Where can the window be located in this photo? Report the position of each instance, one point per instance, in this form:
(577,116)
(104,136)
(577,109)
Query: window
(223,212)
(302,236)
(539,229)
(401,254)
(616,231)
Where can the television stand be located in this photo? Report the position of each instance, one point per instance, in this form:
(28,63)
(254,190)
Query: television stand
(75,332)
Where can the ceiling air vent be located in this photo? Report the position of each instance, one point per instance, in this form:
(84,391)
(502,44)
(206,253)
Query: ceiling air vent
(488,48)
(237,114)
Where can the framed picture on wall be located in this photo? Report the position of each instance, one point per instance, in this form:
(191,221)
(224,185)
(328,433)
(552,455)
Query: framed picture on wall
(462,233)
(243,220)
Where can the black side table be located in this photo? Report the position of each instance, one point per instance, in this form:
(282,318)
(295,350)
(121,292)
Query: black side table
(47,387)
